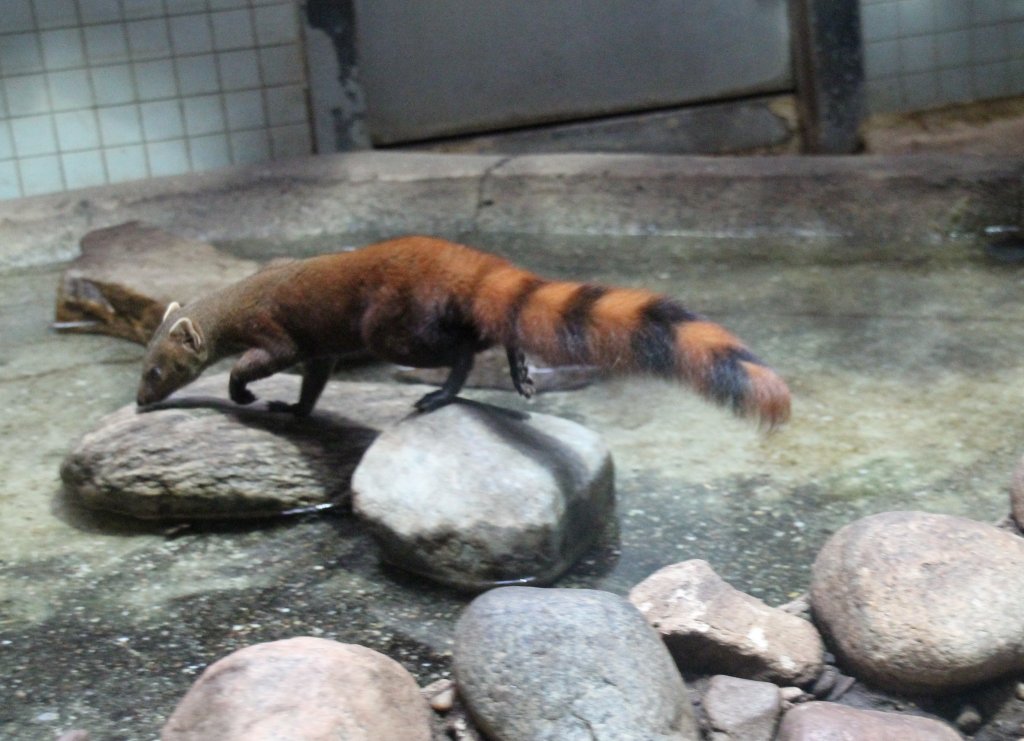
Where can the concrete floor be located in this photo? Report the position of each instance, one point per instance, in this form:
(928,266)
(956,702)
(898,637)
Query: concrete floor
(902,353)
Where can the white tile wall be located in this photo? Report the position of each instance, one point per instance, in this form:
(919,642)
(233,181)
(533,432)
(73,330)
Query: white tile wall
(125,163)
(106,91)
(10,185)
(928,53)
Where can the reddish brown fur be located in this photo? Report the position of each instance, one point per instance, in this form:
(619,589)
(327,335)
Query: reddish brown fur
(769,396)
(614,318)
(422,301)
(697,344)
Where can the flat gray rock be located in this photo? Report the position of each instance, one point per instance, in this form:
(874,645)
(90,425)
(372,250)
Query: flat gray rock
(472,495)
(711,627)
(200,456)
(567,665)
(919,602)
(829,721)
(127,274)
(306,689)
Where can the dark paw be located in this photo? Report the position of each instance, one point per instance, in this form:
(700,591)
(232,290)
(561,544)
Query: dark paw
(525,387)
(283,407)
(242,396)
(520,373)
(434,400)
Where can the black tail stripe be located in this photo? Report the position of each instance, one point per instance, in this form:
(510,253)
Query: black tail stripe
(729,382)
(654,342)
(663,309)
(527,289)
(576,322)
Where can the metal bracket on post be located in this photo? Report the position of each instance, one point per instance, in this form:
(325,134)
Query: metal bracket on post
(828,62)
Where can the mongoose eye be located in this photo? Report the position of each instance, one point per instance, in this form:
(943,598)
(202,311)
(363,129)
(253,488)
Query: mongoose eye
(153,374)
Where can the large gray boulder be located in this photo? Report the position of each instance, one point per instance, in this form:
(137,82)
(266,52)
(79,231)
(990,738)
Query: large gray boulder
(472,495)
(200,456)
(710,626)
(302,689)
(567,665)
(922,602)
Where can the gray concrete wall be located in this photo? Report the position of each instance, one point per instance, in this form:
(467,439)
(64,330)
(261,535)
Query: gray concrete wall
(374,193)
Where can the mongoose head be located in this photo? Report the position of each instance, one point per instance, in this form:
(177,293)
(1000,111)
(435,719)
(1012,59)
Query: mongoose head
(176,355)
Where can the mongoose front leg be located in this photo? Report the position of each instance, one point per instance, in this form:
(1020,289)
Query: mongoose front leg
(520,373)
(255,363)
(453,384)
(315,375)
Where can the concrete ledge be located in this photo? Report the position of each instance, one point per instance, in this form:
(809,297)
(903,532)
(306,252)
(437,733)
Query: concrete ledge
(387,193)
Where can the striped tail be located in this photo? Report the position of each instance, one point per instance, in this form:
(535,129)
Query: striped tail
(628,331)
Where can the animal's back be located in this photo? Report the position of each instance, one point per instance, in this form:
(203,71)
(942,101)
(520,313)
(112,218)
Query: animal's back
(427,301)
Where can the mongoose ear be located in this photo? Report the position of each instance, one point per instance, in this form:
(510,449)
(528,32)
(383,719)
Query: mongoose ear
(170,307)
(191,337)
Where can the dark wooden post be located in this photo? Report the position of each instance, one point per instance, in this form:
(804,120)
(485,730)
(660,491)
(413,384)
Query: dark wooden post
(828,62)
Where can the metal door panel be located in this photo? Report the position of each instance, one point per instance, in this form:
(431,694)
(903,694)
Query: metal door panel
(434,68)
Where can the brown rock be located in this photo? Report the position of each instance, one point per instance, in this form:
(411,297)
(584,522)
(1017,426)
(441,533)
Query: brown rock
(451,717)
(302,689)
(741,709)
(829,721)
(127,274)
(199,456)
(711,627)
(440,695)
(919,602)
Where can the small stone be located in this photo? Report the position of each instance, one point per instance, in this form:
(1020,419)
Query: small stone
(798,606)
(919,602)
(1019,691)
(792,694)
(472,495)
(709,626)
(76,735)
(741,709)
(825,682)
(442,702)
(822,721)
(841,687)
(567,665)
(440,695)
(969,719)
(302,688)
(460,729)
